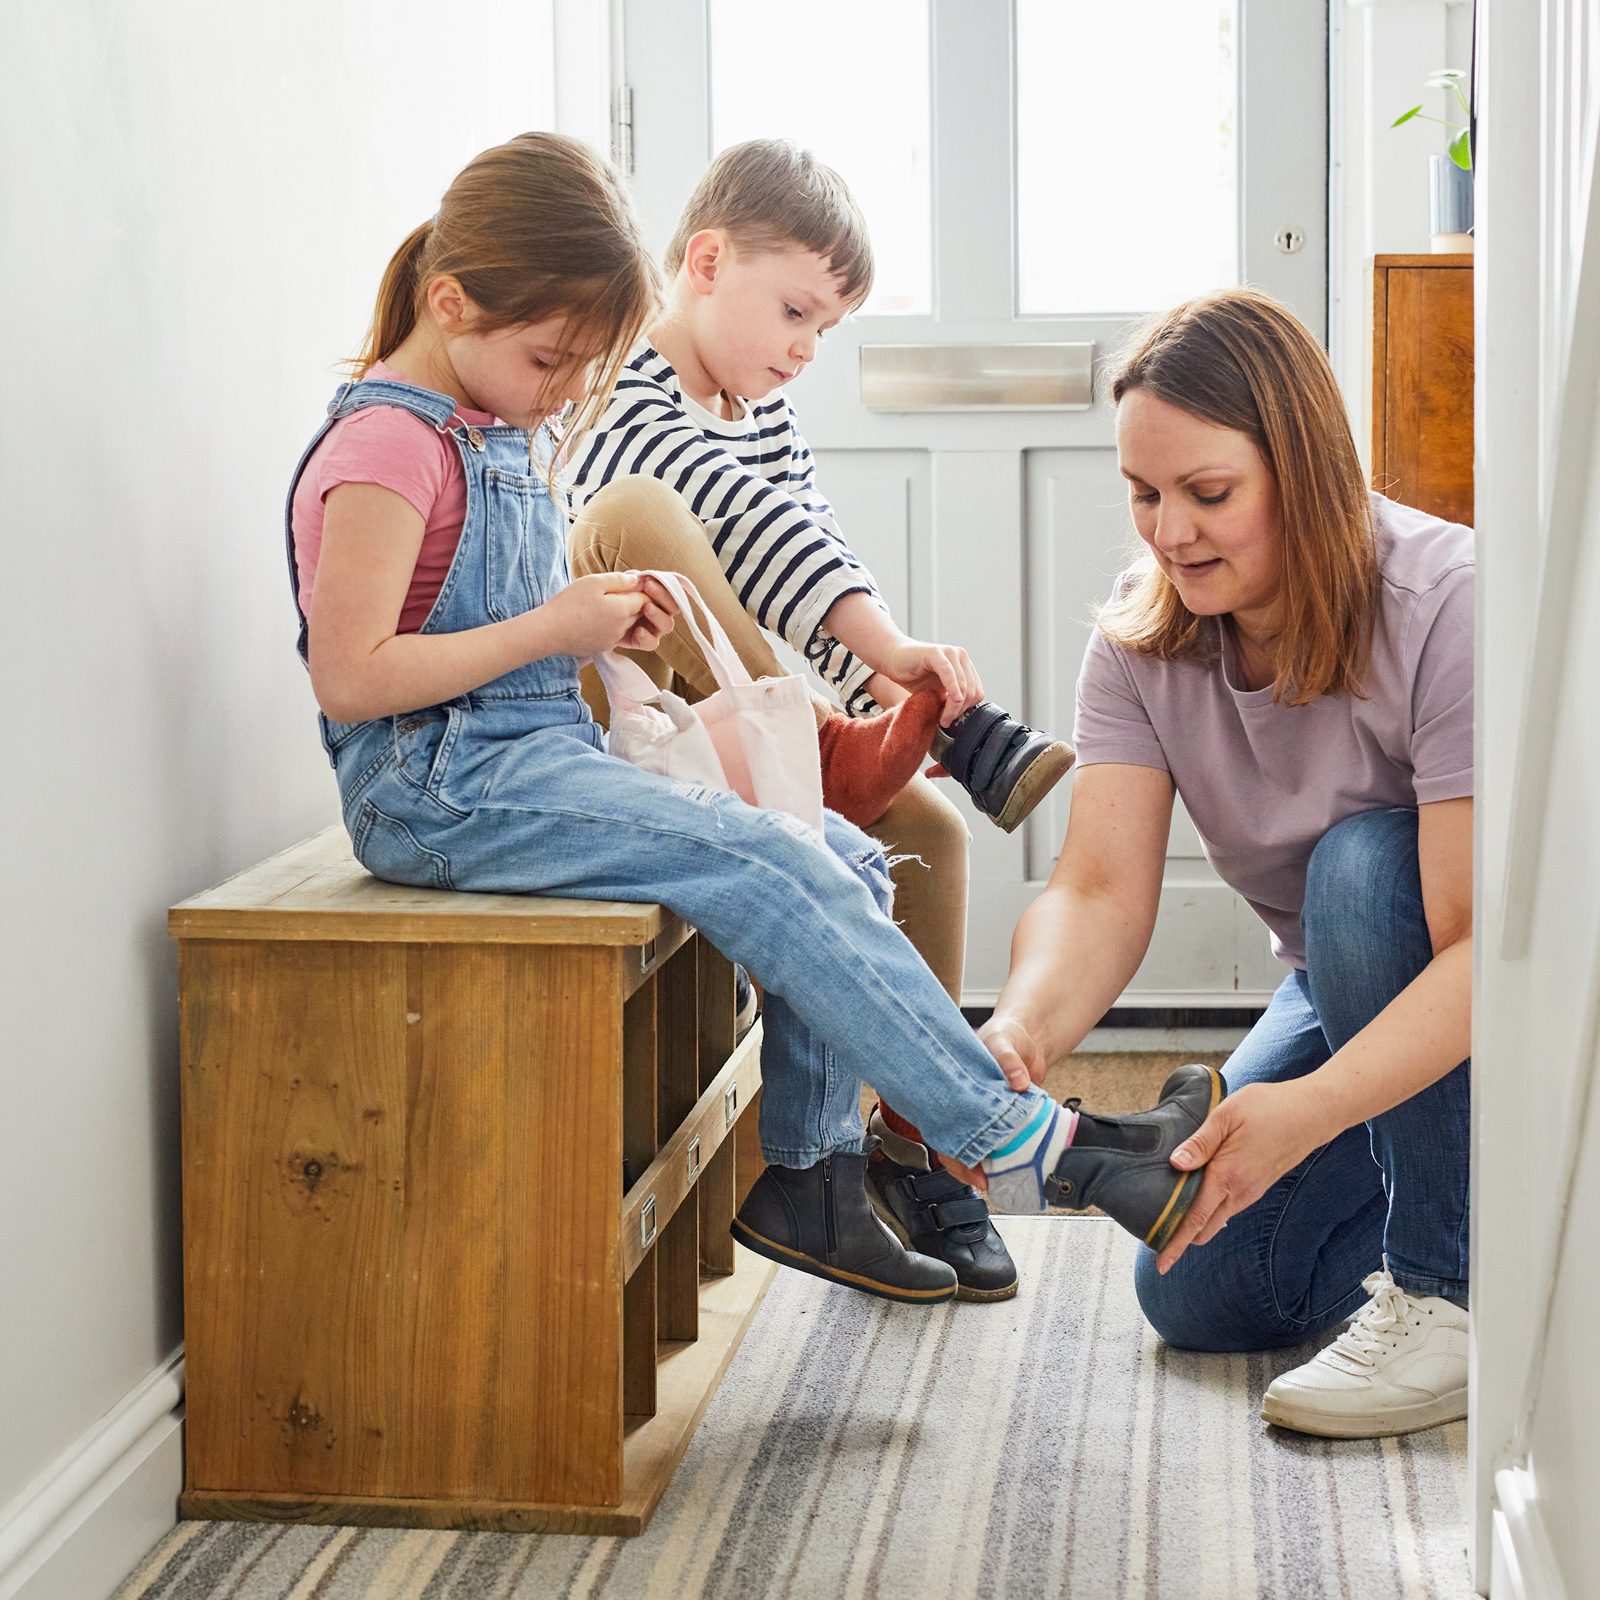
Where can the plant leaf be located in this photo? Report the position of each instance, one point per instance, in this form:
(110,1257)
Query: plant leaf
(1461,151)
(1405,116)
(1442,76)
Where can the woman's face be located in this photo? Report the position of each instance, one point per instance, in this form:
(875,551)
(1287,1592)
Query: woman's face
(1206,503)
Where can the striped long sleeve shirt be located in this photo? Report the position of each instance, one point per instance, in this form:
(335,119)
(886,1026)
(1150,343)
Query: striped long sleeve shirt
(751,482)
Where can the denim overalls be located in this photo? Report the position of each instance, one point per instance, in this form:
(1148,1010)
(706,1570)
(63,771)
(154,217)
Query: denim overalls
(508,789)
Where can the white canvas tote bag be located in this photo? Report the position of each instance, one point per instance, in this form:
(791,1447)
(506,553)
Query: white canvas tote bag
(756,737)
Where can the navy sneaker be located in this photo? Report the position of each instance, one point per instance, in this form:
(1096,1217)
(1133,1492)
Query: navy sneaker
(933,1212)
(1006,766)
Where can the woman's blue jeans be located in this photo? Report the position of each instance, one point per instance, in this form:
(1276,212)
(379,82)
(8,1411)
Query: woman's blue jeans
(1290,1267)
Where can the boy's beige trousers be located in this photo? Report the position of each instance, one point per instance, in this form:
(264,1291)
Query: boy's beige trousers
(637,523)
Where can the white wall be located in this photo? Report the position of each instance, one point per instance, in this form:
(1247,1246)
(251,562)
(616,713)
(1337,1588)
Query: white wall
(199,200)
(1536,1147)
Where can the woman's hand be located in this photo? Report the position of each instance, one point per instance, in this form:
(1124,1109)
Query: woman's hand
(1251,1140)
(605,611)
(946,667)
(1010,1043)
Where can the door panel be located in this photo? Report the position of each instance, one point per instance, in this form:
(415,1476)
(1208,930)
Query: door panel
(1000,531)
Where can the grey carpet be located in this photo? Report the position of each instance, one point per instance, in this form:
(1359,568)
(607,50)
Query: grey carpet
(1047,1446)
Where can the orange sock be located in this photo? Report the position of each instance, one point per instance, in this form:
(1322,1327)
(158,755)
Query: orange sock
(866,762)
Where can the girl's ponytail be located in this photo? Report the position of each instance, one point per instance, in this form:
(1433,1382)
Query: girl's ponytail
(396,313)
(539,225)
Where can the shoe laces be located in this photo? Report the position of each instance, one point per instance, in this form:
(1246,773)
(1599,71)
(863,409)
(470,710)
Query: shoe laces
(1384,1319)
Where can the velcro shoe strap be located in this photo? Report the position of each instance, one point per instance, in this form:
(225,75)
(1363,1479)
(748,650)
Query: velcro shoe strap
(962,1213)
(979,745)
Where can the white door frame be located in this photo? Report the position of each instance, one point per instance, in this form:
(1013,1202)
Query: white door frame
(1536,1039)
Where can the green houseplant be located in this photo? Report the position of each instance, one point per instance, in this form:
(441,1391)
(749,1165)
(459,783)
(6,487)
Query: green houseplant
(1449,175)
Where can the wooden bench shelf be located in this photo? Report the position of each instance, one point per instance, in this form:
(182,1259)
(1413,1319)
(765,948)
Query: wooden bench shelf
(418,1290)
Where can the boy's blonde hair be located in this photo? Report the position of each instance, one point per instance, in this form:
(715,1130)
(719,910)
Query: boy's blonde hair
(769,194)
(1238,359)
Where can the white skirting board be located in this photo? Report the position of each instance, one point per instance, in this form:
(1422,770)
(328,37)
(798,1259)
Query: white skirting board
(85,1523)
(1524,1561)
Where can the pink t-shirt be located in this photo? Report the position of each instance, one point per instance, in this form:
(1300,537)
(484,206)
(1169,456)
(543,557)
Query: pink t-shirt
(396,450)
(1262,782)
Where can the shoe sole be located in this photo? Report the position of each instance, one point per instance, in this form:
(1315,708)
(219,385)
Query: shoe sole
(1038,778)
(1187,1187)
(1380,1425)
(971,1296)
(785,1257)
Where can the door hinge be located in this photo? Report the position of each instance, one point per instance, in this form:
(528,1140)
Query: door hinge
(622,128)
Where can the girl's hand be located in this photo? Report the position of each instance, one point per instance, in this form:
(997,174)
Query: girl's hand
(1010,1043)
(1251,1140)
(606,611)
(915,665)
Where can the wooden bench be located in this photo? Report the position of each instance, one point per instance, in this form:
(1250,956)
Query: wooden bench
(417,1290)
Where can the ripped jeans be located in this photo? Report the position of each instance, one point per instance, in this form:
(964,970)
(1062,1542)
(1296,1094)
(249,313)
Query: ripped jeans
(518,796)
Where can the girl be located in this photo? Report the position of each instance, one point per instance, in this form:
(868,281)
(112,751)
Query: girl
(1292,656)
(443,637)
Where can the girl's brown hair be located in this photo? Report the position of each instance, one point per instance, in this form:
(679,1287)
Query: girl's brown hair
(1240,360)
(767,194)
(537,227)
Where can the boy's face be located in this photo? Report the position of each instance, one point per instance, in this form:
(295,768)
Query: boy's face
(758,315)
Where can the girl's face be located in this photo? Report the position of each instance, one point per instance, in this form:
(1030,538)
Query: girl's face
(1206,503)
(521,374)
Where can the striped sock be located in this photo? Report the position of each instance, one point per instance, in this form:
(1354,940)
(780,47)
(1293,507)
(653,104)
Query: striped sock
(1018,1169)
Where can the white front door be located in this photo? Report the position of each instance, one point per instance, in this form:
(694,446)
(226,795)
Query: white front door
(1036,174)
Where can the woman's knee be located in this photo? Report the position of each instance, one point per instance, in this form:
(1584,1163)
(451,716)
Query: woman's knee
(1201,1305)
(1171,1305)
(1362,881)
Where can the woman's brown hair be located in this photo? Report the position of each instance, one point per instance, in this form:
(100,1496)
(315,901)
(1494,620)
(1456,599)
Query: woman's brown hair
(1240,360)
(537,227)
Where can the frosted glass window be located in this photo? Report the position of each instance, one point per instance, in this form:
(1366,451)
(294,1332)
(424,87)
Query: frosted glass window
(1127,155)
(850,83)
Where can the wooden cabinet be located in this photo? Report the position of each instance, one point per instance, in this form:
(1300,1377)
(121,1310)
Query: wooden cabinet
(1422,382)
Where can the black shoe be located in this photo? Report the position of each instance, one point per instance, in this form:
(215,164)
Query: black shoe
(1121,1163)
(1006,766)
(818,1220)
(933,1212)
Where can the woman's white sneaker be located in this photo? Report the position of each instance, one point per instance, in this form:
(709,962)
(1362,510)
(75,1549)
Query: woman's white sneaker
(1400,1365)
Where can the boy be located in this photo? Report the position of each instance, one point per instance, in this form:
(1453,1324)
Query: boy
(771,252)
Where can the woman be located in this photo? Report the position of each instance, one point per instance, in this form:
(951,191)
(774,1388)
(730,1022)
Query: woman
(1293,657)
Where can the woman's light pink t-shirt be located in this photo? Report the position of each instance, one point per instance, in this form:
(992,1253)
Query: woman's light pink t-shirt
(1261,782)
(400,451)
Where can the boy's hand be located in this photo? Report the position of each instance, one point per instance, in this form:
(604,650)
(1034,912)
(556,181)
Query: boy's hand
(915,665)
(605,611)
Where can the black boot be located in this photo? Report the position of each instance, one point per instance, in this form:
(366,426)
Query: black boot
(1121,1163)
(1006,766)
(818,1219)
(931,1211)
